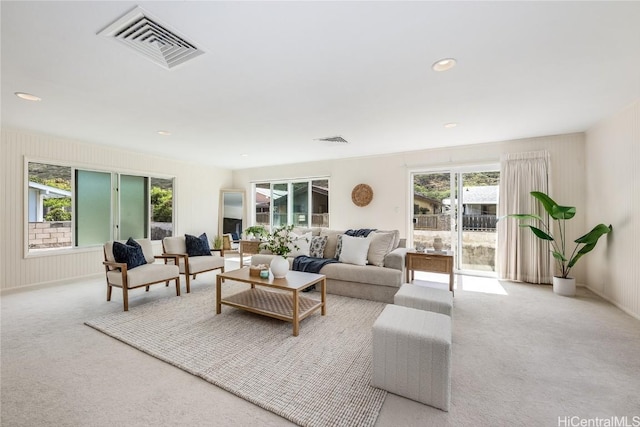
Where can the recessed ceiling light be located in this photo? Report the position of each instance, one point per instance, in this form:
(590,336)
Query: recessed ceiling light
(244,155)
(27,96)
(450,125)
(444,64)
(164,132)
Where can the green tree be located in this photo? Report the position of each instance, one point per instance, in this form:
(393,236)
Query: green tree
(58,209)
(162,202)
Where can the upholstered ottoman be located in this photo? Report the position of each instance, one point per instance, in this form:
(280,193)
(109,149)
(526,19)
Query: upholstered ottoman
(412,355)
(423,298)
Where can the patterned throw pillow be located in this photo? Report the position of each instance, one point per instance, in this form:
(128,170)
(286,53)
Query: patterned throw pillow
(197,246)
(339,246)
(316,248)
(303,242)
(131,254)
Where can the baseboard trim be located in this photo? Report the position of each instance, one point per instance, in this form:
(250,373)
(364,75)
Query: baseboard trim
(42,285)
(604,297)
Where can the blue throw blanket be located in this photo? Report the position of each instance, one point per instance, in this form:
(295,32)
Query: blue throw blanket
(309,264)
(361,232)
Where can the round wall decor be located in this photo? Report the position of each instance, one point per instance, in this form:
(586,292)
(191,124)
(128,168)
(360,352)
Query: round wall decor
(362,195)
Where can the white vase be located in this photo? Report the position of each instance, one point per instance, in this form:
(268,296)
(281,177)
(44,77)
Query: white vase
(279,267)
(565,287)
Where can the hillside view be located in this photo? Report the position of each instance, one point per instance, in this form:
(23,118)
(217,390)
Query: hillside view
(437,185)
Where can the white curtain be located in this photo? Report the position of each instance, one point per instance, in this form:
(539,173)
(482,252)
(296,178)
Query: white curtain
(521,255)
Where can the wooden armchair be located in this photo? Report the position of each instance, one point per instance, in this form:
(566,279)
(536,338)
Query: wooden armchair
(121,276)
(190,265)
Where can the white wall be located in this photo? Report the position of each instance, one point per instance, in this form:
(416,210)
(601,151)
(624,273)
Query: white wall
(389,177)
(196,198)
(613,197)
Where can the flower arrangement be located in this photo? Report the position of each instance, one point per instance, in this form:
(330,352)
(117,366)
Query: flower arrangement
(280,242)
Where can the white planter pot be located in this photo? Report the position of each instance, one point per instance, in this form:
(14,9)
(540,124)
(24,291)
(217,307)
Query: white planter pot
(565,287)
(279,267)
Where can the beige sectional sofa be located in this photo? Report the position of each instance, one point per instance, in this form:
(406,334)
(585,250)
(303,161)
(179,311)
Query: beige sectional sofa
(373,282)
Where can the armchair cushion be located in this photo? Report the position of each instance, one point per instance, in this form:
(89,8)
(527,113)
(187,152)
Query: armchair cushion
(130,253)
(197,246)
(199,264)
(148,273)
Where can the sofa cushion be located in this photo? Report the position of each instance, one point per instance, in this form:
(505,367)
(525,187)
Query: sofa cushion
(354,250)
(129,253)
(338,246)
(369,274)
(316,248)
(303,241)
(396,235)
(332,241)
(197,246)
(315,231)
(381,244)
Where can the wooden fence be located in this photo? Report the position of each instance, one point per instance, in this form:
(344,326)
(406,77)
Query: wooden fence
(439,222)
(317,220)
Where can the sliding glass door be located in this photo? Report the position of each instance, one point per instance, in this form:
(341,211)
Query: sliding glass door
(459,207)
(477,208)
(432,215)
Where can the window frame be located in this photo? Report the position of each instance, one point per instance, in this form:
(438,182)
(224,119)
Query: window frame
(290,182)
(114,214)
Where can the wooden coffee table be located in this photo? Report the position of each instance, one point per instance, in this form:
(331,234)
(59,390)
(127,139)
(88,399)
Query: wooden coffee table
(277,298)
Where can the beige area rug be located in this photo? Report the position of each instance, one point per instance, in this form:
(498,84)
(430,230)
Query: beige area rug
(320,378)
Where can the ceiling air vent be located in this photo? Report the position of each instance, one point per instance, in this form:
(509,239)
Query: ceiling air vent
(333,139)
(143,33)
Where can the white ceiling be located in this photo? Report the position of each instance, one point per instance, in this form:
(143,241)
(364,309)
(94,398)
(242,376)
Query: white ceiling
(276,76)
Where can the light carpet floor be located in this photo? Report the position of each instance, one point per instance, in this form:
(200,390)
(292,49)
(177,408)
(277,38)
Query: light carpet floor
(319,378)
(522,356)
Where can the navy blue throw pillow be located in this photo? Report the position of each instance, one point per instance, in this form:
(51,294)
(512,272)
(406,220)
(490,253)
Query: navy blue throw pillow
(197,246)
(131,254)
(132,242)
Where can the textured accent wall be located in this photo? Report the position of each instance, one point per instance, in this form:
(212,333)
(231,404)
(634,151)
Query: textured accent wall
(389,176)
(196,198)
(613,196)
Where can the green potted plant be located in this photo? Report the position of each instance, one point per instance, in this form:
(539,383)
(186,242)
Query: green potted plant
(258,232)
(217,242)
(562,284)
(280,243)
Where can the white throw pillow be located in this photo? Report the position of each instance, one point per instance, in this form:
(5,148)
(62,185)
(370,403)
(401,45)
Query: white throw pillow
(381,244)
(302,241)
(354,250)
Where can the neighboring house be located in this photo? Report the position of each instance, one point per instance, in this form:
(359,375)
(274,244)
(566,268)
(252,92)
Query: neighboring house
(425,205)
(480,208)
(37,194)
(482,200)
